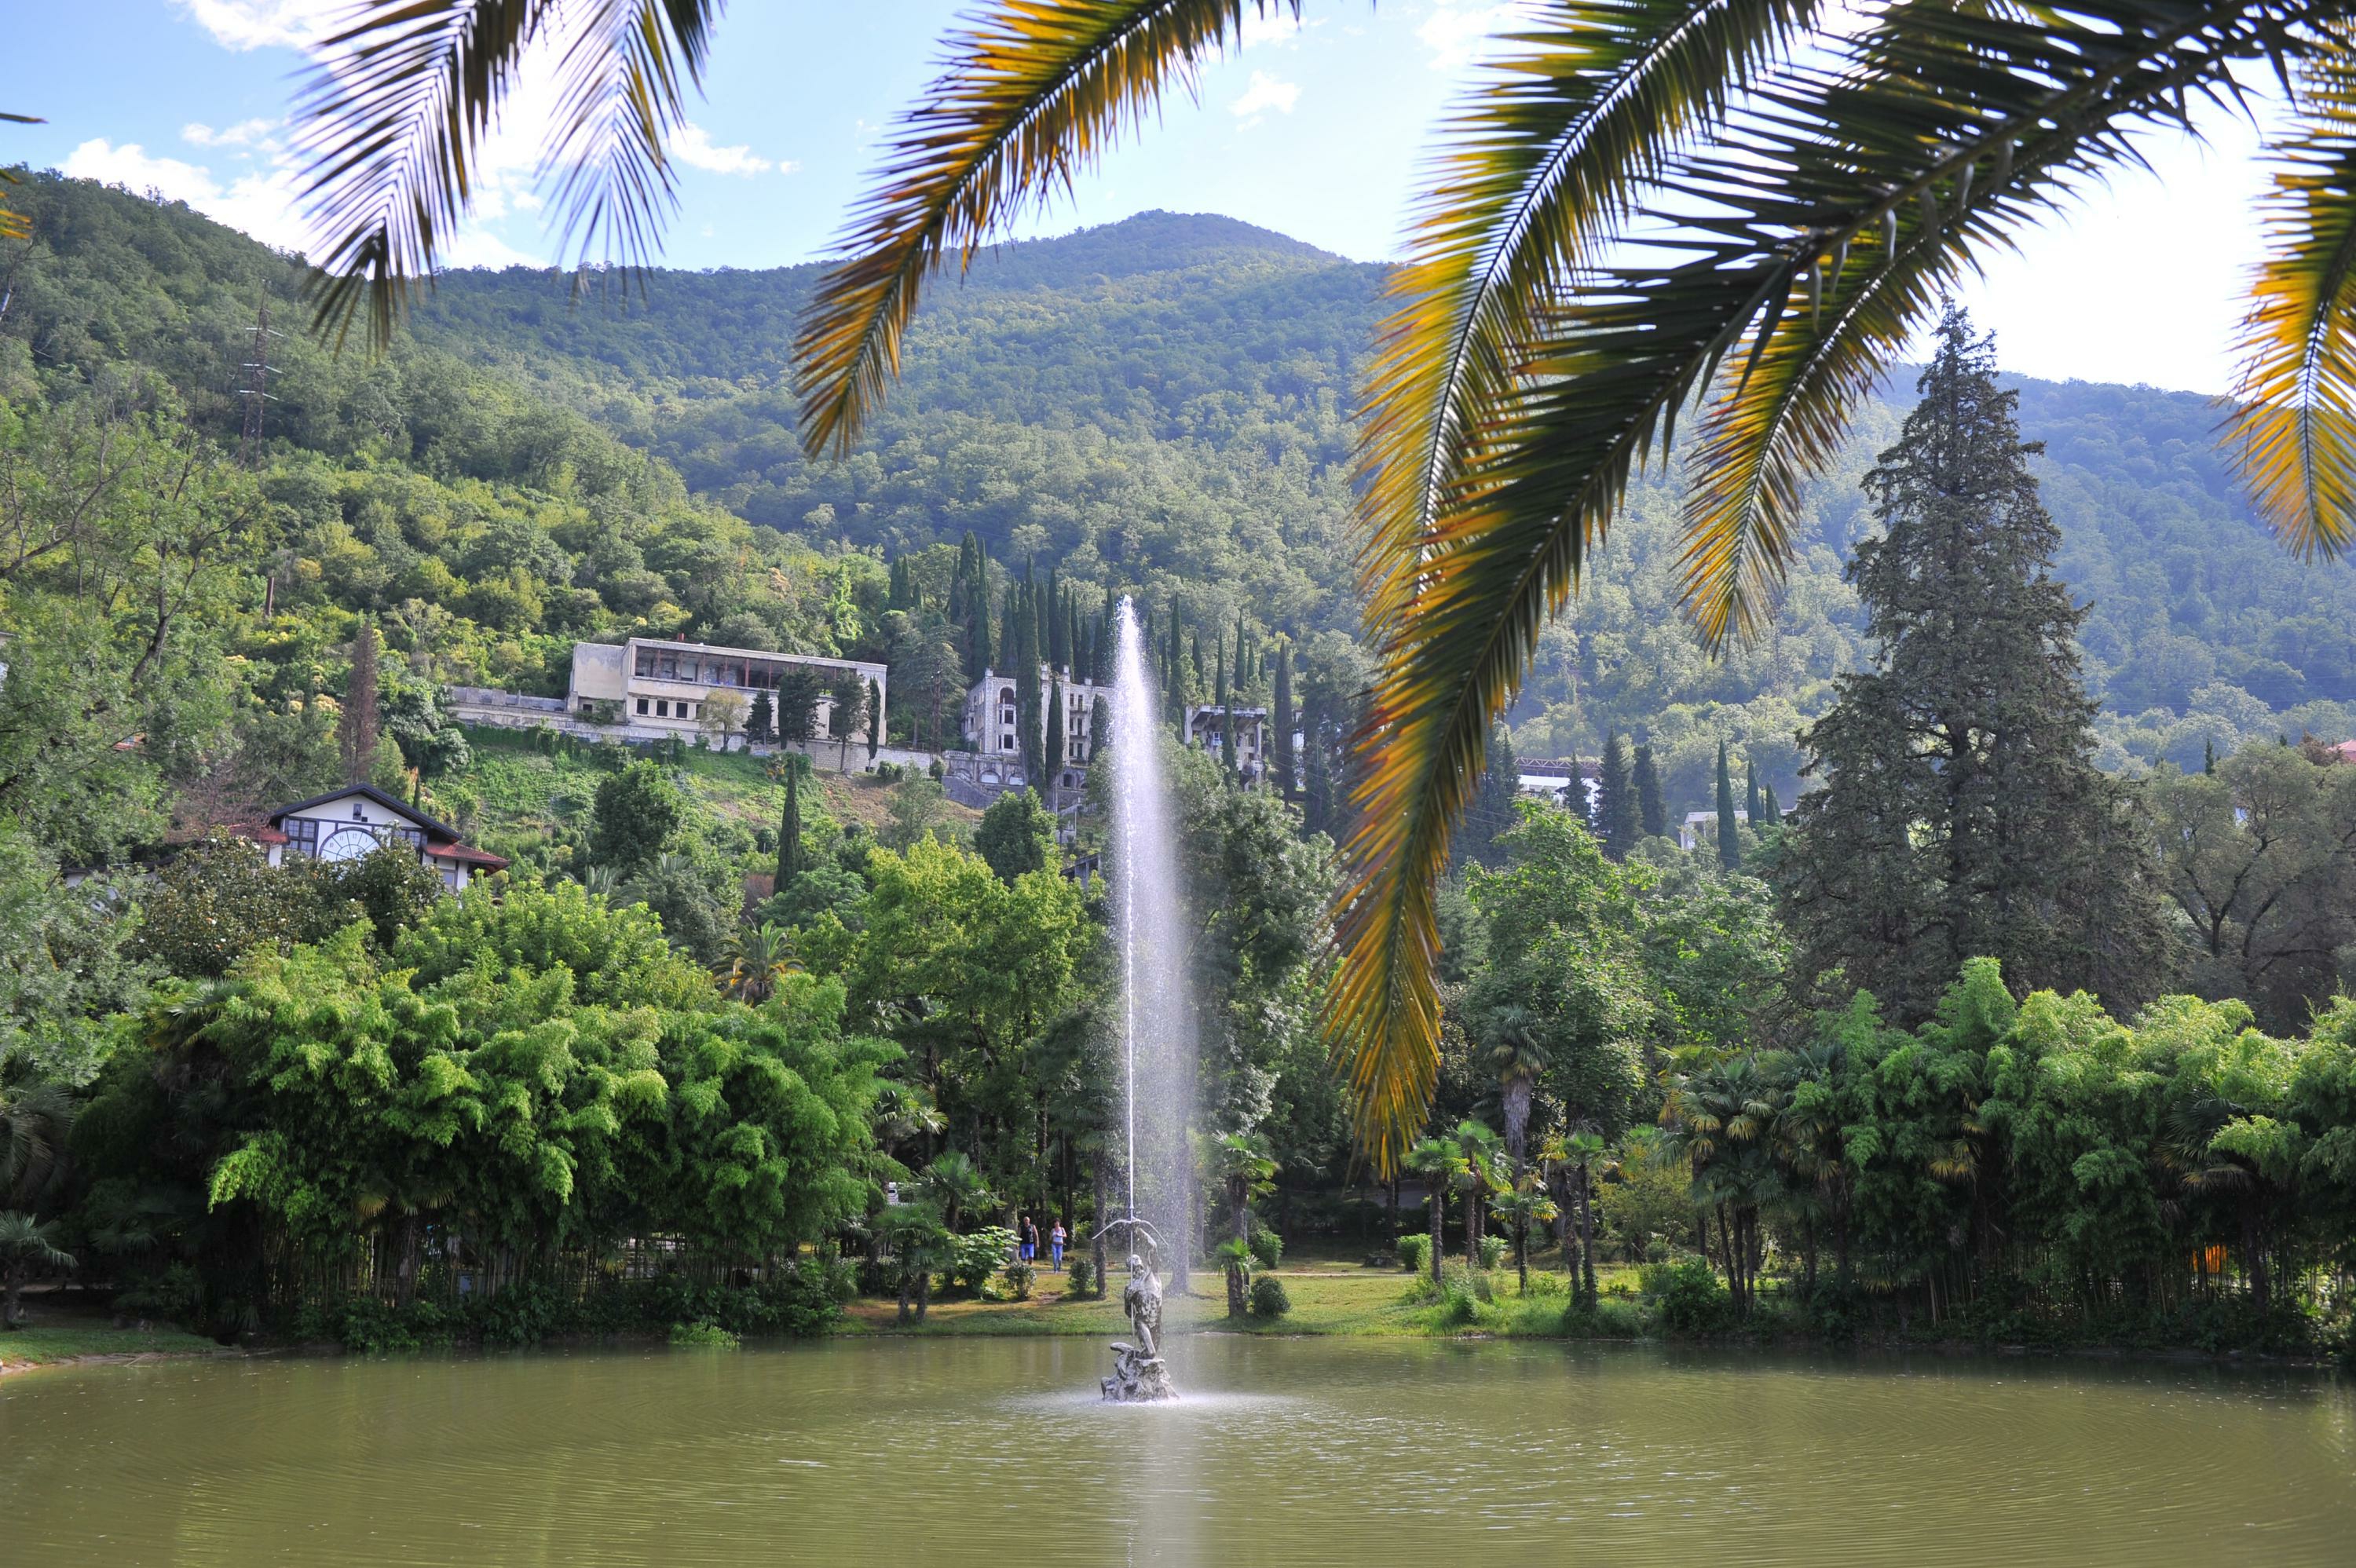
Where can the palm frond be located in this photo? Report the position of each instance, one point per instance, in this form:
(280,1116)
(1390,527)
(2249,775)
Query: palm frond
(1582,113)
(2294,431)
(14,225)
(394,120)
(1031,92)
(1815,163)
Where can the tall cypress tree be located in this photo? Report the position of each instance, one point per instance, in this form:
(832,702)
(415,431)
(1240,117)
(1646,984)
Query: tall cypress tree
(1774,817)
(1652,812)
(1023,639)
(789,827)
(1962,815)
(1616,801)
(1227,702)
(1317,785)
(1052,754)
(1492,814)
(1287,776)
(1750,791)
(1730,836)
(356,726)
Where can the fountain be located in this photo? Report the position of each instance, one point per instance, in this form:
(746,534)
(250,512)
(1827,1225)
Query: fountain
(1157,1030)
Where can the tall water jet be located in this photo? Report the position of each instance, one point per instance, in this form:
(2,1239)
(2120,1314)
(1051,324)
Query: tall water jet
(1156,1014)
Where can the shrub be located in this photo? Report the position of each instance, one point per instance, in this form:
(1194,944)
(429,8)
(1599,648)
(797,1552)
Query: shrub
(1268,1297)
(1415,1252)
(1688,1294)
(1493,1252)
(711,1336)
(1609,1318)
(1546,1282)
(1019,1277)
(1267,1248)
(974,1257)
(1083,1279)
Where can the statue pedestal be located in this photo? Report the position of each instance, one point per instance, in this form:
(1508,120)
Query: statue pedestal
(1138,1377)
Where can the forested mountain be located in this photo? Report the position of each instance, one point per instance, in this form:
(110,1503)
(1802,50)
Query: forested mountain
(1166,400)
(1161,405)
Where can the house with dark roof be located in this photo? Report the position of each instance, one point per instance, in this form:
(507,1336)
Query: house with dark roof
(357,820)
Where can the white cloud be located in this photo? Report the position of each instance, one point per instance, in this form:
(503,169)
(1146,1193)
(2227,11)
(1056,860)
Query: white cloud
(1263,94)
(261,203)
(1273,27)
(1457,34)
(244,133)
(243,25)
(129,166)
(693,147)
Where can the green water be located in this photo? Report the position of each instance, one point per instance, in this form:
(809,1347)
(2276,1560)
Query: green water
(1363,1453)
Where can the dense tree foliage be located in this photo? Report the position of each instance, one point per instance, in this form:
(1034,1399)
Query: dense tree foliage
(1961,813)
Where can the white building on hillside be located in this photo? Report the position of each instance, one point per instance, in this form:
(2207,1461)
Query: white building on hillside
(656,689)
(993,730)
(1206,730)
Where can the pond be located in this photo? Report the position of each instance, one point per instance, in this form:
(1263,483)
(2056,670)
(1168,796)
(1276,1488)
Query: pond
(1359,1452)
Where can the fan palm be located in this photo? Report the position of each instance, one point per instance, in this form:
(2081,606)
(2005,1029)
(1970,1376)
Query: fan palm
(36,1119)
(1239,1162)
(1518,1052)
(954,1181)
(26,1244)
(1442,1164)
(1646,206)
(762,954)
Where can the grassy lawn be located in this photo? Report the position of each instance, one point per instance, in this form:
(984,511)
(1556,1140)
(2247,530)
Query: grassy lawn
(519,790)
(58,1334)
(1328,1297)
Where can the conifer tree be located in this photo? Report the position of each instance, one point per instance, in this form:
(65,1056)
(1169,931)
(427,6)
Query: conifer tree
(761,723)
(1616,801)
(355,727)
(1226,701)
(789,827)
(875,719)
(1729,834)
(1750,791)
(1051,755)
(1317,785)
(1492,814)
(1774,817)
(1652,812)
(1962,816)
(1022,632)
(1287,776)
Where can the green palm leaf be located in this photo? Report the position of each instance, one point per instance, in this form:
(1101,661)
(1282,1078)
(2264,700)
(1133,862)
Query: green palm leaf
(1032,90)
(1816,161)
(1584,113)
(395,119)
(2293,433)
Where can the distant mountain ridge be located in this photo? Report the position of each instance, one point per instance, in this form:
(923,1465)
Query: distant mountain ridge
(1165,404)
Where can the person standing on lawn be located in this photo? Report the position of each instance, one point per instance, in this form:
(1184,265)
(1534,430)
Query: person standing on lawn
(1055,1239)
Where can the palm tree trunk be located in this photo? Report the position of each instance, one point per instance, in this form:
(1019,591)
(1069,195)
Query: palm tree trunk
(1437,1200)
(1586,1239)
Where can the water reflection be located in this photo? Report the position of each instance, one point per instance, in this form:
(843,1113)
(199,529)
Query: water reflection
(1361,1453)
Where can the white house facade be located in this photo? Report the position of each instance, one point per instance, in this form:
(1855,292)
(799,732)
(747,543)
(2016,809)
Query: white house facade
(1206,730)
(655,690)
(357,820)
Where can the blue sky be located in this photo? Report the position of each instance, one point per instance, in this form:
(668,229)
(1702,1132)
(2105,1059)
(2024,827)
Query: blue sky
(1316,133)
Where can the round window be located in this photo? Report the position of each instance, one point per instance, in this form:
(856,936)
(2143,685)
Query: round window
(348,843)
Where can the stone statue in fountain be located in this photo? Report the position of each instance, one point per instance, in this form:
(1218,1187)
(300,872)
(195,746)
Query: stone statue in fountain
(1138,1373)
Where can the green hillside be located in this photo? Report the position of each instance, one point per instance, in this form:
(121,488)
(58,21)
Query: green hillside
(1165,401)
(1161,405)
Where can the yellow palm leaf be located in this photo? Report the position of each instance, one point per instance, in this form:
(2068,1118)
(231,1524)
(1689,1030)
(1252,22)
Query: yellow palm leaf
(1034,90)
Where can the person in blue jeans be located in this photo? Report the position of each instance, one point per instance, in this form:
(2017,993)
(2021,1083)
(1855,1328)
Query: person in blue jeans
(1030,1235)
(1055,1240)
